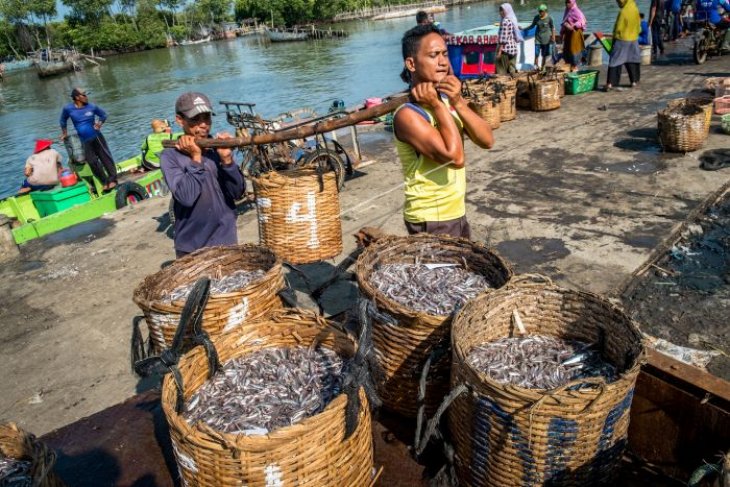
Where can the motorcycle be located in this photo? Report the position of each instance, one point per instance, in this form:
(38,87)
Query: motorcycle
(707,42)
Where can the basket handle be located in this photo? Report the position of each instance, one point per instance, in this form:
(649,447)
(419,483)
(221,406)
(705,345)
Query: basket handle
(530,280)
(433,423)
(359,374)
(140,348)
(190,318)
(438,352)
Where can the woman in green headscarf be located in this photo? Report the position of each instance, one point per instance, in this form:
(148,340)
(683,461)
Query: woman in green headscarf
(625,50)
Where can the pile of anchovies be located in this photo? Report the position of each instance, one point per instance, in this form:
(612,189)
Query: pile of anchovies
(14,473)
(436,289)
(540,362)
(232,282)
(259,392)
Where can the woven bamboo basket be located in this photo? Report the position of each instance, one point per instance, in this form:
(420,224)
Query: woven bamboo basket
(223,312)
(682,128)
(21,445)
(313,452)
(523,90)
(544,94)
(506,435)
(402,350)
(704,102)
(299,214)
(508,93)
(488,107)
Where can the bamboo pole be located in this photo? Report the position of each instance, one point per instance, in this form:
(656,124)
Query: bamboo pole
(302,131)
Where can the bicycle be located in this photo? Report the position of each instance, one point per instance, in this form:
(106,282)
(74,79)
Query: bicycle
(290,154)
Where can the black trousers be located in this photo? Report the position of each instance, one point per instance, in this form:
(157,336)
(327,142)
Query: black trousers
(657,43)
(100,160)
(614,73)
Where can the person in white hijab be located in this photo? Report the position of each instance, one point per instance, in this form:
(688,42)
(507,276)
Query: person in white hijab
(509,36)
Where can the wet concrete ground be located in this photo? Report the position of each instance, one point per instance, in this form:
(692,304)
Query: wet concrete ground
(685,296)
(581,194)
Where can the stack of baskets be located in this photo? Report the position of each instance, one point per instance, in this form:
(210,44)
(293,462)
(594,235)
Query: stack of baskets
(312,453)
(299,214)
(488,106)
(223,312)
(402,349)
(21,445)
(683,127)
(572,435)
(506,87)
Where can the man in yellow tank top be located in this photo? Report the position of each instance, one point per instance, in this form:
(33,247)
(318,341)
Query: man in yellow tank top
(429,137)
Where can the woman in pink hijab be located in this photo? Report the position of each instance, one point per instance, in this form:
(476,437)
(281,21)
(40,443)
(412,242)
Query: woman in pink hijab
(572,27)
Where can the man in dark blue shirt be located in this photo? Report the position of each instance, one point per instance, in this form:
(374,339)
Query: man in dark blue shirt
(87,119)
(204,183)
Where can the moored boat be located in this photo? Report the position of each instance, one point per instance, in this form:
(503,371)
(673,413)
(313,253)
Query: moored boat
(286,35)
(40,213)
(473,52)
(188,42)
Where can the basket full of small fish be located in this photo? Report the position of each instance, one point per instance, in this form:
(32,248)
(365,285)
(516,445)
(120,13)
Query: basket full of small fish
(415,285)
(276,412)
(25,461)
(543,379)
(245,284)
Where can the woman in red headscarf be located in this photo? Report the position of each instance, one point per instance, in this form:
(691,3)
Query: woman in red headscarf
(572,27)
(42,168)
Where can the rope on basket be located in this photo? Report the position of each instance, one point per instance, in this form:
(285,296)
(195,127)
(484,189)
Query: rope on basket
(141,348)
(359,374)
(190,318)
(438,352)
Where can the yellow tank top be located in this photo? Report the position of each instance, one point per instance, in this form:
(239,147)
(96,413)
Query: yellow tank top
(434,192)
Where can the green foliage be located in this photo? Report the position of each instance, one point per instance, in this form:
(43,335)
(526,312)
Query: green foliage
(293,12)
(180,32)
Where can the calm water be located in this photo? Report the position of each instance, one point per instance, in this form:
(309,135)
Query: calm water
(136,88)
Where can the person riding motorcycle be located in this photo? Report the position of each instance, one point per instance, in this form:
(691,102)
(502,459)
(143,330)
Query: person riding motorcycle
(709,10)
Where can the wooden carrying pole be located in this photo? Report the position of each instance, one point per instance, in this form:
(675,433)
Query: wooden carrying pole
(304,130)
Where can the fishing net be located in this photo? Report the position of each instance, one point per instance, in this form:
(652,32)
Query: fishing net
(255,281)
(20,445)
(574,434)
(319,450)
(404,339)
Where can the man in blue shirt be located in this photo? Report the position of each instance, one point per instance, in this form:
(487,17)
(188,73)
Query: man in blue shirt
(710,10)
(204,183)
(87,119)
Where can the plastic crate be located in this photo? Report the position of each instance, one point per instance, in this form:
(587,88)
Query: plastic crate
(59,199)
(581,82)
(725,124)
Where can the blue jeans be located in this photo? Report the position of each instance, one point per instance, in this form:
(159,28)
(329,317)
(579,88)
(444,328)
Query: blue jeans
(37,187)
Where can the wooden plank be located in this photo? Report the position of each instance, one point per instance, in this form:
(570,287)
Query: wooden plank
(689,374)
(673,429)
(303,131)
(629,284)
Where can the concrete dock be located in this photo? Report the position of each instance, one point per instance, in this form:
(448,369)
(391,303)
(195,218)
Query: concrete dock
(581,194)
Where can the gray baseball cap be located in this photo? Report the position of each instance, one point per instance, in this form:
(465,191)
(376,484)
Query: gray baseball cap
(193,103)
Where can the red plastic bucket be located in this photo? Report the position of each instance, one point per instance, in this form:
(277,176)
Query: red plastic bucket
(68,179)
